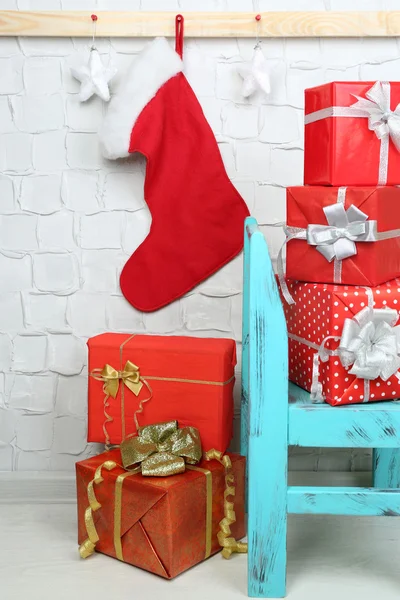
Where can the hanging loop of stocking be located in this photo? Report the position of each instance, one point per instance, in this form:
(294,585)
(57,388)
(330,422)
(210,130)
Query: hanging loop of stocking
(179,23)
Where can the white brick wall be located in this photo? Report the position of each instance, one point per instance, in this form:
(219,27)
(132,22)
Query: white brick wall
(69,219)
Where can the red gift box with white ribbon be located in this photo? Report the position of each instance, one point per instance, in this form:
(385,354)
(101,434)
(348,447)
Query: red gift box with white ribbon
(352,134)
(348,235)
(344,341)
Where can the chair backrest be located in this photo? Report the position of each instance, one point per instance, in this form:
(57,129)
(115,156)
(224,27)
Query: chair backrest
(266,418)
(263,311)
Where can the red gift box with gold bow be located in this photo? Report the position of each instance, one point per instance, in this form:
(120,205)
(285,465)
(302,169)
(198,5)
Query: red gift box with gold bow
(161,524)
(138,380)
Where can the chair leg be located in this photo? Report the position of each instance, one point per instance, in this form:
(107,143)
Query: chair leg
(267,525)
(386,467)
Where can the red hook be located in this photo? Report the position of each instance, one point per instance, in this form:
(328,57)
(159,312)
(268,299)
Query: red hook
(94,17)
(258,17)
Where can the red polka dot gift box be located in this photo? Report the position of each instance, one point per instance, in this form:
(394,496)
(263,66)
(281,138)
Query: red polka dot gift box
(348,235)
(344,341)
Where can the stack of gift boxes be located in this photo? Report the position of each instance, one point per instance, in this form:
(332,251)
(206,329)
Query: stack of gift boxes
(161,497)
(341,295)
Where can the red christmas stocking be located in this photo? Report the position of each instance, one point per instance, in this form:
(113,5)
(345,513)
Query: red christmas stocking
(197,214)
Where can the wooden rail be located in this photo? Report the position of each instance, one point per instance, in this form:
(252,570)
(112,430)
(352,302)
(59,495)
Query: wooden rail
(201,24)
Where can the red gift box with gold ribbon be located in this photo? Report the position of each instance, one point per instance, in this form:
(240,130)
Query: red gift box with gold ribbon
(138,380)
(161,524)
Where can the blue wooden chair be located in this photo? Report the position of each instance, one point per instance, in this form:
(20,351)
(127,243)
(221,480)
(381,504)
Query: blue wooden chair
(276,414)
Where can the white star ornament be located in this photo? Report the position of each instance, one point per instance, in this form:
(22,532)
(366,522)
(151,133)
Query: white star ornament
(255,74)
(94,77)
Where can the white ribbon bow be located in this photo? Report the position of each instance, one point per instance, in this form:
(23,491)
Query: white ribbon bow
(370,344)
(381,119)
(337,239)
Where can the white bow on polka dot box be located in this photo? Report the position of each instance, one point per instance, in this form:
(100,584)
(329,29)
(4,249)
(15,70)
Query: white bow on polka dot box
(344,341)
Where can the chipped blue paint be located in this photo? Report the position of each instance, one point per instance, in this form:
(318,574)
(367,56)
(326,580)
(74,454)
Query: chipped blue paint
(353,426)
(360,502)
(268,453)
(272,418)
(244,412)
(386,467)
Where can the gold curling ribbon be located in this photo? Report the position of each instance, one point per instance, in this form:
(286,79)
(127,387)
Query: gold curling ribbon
(225,538)
(131,378)
(88,546)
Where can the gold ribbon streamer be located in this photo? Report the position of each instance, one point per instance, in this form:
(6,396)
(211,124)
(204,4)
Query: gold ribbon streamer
(131,378)
(162,449)
(88,546)
(118,512)
(225,538)
(209,499)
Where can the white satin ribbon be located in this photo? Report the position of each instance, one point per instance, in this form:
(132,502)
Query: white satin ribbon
(370,344)
(345,227)
(322,355)
(384,122)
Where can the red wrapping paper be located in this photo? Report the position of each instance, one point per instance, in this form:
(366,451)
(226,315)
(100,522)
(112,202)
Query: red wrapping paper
(342,150)
(374,263)
(319,311)
(193,402)
(163,519)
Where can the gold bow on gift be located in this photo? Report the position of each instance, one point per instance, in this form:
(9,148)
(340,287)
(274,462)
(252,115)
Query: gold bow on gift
(162,449)
(130,376)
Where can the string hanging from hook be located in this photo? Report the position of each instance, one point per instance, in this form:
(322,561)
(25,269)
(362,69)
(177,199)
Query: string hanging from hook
(258,41)
(92,74)
(94,21)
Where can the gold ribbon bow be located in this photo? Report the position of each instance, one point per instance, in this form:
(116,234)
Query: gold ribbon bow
(130,376)
(162,449)
(225,538)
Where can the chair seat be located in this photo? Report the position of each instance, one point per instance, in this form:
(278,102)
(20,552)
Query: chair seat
(370,425)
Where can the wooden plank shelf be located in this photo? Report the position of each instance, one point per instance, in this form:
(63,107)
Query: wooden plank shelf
(201,24)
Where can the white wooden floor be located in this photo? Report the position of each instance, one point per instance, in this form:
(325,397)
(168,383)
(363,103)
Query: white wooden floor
(329,557)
